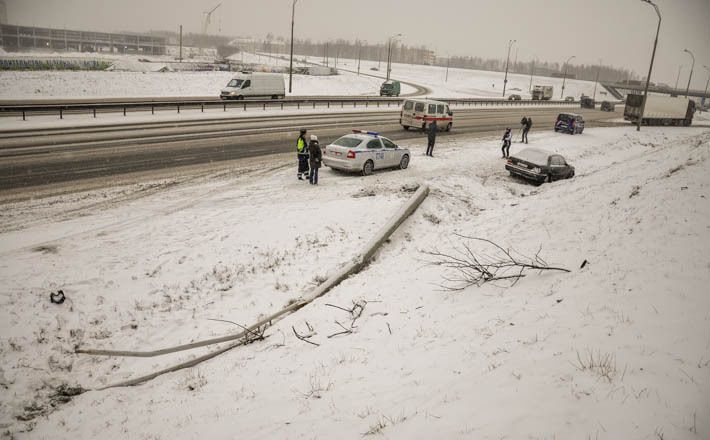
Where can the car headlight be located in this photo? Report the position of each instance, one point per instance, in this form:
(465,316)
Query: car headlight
(536,170)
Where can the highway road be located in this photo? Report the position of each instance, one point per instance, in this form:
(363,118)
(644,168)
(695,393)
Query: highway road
(46,157)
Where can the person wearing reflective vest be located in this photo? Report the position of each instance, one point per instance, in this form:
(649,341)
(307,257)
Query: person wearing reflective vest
(302,151)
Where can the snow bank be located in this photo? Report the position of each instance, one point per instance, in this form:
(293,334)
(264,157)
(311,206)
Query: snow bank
(617,349)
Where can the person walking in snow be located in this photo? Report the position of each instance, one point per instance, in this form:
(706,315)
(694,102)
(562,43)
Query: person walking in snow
(316,156)
(507,137)
(527,124)
(302,152)
(431,138)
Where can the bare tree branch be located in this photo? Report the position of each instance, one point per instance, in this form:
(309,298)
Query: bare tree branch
(474,268)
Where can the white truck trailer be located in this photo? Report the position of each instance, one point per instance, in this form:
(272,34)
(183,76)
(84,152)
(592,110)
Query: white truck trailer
(542,93)
(660,110)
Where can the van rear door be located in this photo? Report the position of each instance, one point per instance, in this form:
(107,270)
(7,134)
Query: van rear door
(407,114)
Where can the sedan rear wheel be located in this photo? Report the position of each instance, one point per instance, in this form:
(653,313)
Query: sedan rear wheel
(404,162)
(367,168)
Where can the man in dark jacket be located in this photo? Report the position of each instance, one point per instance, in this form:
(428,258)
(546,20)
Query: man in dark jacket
(527,124)
(431,135)
(302,151)
(316,156)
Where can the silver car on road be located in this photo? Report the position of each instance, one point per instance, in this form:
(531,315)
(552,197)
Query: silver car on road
(365,152)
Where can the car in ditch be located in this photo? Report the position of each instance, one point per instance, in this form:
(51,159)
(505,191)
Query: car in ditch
(571,123)
(538,165)
(365,152)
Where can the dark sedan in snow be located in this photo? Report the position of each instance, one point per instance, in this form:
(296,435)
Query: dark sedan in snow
(539,165)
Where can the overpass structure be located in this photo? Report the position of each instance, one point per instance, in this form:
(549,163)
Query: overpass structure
(21,38)
(620,90)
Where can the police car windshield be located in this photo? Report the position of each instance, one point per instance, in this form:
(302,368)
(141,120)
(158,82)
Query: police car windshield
(348,142)
(235,83)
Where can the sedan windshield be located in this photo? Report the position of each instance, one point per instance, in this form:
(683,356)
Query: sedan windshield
(235,83)
(347,142)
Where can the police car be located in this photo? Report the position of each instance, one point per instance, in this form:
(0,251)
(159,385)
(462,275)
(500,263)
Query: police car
(365,151)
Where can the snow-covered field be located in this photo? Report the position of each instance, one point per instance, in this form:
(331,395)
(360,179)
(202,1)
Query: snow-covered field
(617,349)
(461,83)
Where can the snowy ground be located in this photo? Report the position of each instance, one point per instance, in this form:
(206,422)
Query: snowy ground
(470,83)
(461,83)
(617,349)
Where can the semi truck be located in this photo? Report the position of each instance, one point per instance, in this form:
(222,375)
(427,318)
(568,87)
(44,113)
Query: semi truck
(660,110)
(542,93)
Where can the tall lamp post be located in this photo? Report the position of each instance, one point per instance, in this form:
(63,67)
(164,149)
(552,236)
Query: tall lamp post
(691,71)
(564,76)
(389,53)
(706,85)
(507,59)
(290,66)
(597,80)
(677,78)
(650,68)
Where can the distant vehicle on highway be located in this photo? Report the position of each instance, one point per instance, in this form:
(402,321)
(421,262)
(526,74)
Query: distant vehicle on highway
(587,102)
(514,97)
(254,84)
(390,88)
(571,123)
(569,98)
(419,112)
(607,106)
(542,93)
(365,152)
(538,166)
(660,110)
(374,68)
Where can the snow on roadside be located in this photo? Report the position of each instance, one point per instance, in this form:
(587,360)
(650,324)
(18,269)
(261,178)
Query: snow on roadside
(484,362)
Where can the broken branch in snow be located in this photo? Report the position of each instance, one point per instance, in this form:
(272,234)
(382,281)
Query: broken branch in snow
(249,335)
(346,331)
(307,336)
(473,268)
(355,312)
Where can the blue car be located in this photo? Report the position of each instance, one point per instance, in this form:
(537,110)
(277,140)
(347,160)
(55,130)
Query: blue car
(571,123)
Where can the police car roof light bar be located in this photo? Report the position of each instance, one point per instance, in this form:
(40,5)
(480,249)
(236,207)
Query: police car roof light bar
(371,133)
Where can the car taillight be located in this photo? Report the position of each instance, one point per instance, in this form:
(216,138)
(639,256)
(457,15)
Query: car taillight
(351,154)
(510,161)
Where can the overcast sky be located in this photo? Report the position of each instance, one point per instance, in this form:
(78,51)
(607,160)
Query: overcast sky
(620,32)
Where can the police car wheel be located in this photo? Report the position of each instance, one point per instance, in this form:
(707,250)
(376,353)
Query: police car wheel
(367,168)
(404,162)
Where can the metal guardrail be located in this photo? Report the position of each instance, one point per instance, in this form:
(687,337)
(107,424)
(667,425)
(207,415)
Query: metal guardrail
(265,104)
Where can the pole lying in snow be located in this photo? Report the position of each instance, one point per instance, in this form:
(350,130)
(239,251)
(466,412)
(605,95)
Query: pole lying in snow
(353,267)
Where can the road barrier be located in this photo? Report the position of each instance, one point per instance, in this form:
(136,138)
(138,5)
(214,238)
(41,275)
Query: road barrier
(252,104)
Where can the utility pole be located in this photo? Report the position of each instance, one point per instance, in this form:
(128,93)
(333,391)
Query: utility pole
(507,59)
(359,55)
(532,69)
(650,67)
(290,67)
(448,62)
(691,71)
(180,56)
(389,54)
(564,77)
(594,97)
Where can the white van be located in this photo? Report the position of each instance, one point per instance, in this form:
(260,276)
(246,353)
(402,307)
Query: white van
(419,112)
(254,84)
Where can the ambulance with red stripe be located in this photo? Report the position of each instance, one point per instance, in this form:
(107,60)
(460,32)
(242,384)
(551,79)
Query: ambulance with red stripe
(418,113)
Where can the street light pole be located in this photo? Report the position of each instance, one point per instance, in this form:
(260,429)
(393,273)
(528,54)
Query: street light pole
(389,54)
(691,71)
(532,70)
(706,86)
(677,78)
(507,60)
(650,67)
(564,76)
(359,53)
(597,80)
(448,62)
(290,67)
